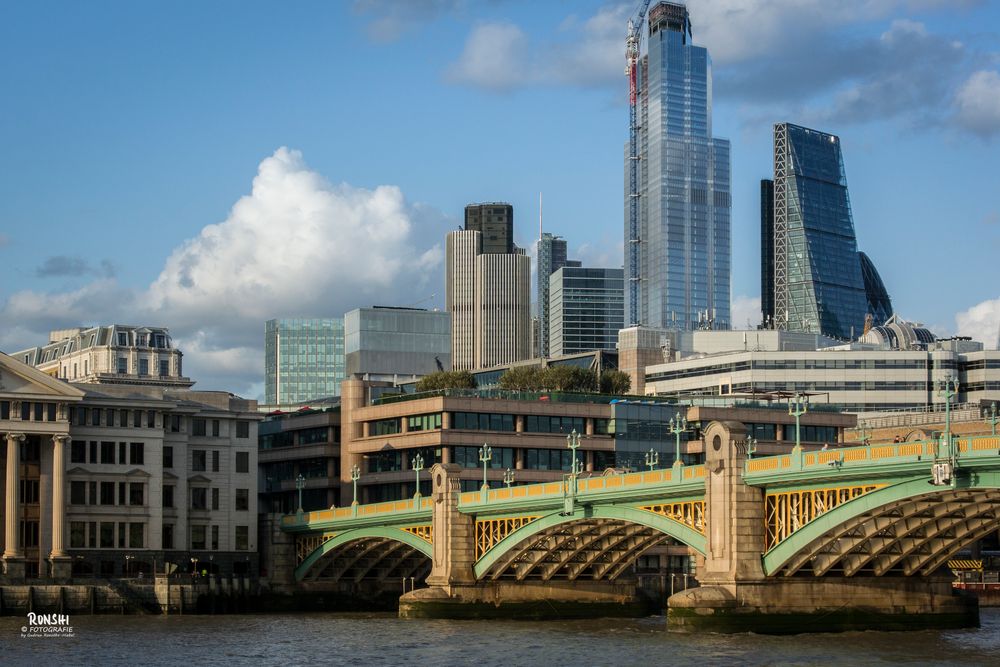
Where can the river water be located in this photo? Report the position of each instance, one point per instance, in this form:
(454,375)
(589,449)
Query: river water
(383,639)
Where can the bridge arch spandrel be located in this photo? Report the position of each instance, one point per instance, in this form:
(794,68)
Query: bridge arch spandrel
(628,544)
(388,533)
(912,526)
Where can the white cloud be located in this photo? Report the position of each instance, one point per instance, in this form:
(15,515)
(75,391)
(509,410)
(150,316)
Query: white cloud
(392,18)
(745,312)
(977,103)
(981,321)
(295,246)
(495,57)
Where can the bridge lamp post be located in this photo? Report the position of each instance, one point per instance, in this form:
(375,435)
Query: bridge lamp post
(355,476)
(798,406)
(678,425)
(573,444)
(508,477)
(485,456)
(751,447)
(948,389)
(300,483)
(863,432)
(418,465)
(652,459)
(990,417)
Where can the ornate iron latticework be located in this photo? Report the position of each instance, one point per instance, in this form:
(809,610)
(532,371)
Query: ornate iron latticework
(422,531)
(489,532)
(786,512)
(781,314)
(308,544)
(690,513)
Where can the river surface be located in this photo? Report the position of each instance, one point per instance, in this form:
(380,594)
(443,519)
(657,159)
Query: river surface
(383,639)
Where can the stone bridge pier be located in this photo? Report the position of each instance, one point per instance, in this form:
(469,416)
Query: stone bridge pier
(737,596)
(453,590)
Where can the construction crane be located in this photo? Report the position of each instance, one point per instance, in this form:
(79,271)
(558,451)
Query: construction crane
(632,42)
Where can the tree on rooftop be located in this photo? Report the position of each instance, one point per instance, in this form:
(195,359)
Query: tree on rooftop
(447,380)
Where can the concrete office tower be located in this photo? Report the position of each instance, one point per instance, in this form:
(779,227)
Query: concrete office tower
(819,282)
(488,296)
(388,343)
(586,309)
(303,359)
(495,221)
(684,183)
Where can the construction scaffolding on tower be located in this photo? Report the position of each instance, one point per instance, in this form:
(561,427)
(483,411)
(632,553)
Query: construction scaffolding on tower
(633,41)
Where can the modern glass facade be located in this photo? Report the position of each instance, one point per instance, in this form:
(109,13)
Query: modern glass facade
(879,303)
(586,309)
(551,258)
(303,359)
(818,286)
(385,342)
(684,183)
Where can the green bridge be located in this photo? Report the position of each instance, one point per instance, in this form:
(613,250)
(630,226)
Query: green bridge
(856,536)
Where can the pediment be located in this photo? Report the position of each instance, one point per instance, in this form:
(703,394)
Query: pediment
(169,475)
(137,472)
(19,380)
(200,479)
(77,471)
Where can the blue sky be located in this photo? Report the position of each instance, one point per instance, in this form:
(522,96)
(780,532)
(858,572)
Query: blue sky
(208,165)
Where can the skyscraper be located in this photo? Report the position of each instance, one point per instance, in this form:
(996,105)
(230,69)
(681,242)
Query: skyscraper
(766,253)
(303,359)
(495,221)
(551,258)
(587,309)
(819,285)
(488,296)
(684,183)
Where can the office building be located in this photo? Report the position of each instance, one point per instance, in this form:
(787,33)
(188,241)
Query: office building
(818,281)
(766,255)
(303,359)
(116,479)
(115,354)
(586,309)
(683,185)
(551,257)
(392,343)
(306,443)
(495,222)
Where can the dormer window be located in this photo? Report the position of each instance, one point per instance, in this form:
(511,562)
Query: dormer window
(123,338)
(141,340)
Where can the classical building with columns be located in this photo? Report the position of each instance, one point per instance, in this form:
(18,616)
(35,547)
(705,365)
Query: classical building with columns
(113,480)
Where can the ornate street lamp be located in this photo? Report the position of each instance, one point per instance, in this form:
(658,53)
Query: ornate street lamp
(948,389)
(990,417)
(418,465)
(751,447)
(300,483)
(573,443)
(508,477)
(355,476)
(678,425)
(652,459)
(485,456)
(798,406)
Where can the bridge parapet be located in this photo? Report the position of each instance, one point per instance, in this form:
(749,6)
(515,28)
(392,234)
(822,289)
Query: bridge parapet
(355,516)
(901,457)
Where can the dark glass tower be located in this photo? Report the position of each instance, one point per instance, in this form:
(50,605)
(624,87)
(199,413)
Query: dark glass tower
(683,182)
(818,285)
(495,223)
(551,258)
(879,303)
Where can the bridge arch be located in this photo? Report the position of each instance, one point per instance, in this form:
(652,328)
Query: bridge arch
(361,551)
(596,542)
(910,527)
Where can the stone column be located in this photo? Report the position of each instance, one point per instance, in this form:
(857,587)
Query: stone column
(61,564)
(12,555)
(454,532)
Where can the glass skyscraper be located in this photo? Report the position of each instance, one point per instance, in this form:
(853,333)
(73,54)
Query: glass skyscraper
(684,183)
(303,359)
(819,284)
(586,309)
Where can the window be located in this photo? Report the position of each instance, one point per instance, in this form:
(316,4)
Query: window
(175,423)
(242,500)
(121,536)
(77,534)
(121,453)
(92,487)
(242,461)
(29,491)
(107,493)
(39,411)
(198,460)
(135,493)
(92,534)
(50,409)
(168,457)
(242,538)
(107,452)
(199,498)
(29,534)
(123,338)
(136,453)
(215,428)
(168,536)
(107,535)
(198,537)
(123,418)
(215,498)
(311,436)
(215,538)
(197,427)
(137,418)
(93,452)
(135,534)
(110,418)
(215,460)
(164,367)
(4,409)
(384,427)
(78,452)
(243,430)
(121,493)
(122,365)
(31,451)
(144,367)
(77,493)
(168,496)
(95,417)
(150,418)
(424,422)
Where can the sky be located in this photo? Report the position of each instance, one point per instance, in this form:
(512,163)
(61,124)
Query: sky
(207,166)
